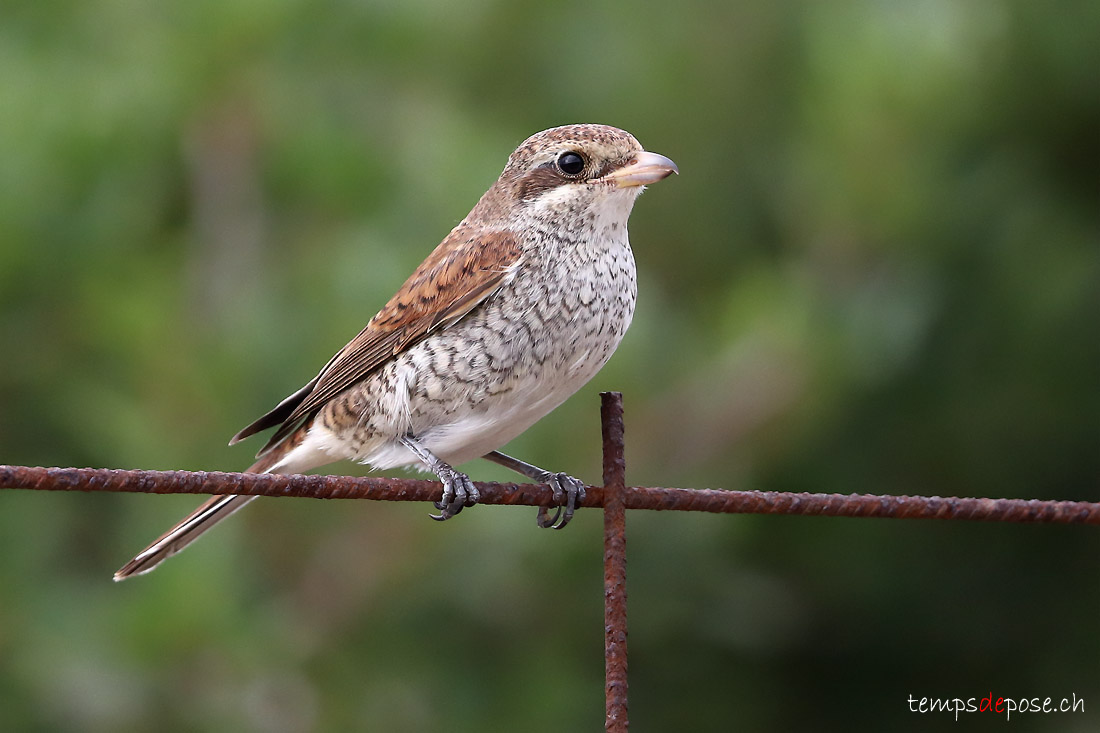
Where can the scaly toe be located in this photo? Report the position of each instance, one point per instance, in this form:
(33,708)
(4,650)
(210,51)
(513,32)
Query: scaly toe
(450,495)
(458,492)
(472,494)
(568,493)
(574,493)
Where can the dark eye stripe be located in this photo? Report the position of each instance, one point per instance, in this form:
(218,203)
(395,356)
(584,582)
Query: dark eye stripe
(541,179)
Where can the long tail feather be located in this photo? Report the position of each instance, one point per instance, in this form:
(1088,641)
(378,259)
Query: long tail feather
(215,509)
(212,511)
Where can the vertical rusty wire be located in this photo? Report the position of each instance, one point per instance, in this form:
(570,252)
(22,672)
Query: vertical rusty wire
(614,562)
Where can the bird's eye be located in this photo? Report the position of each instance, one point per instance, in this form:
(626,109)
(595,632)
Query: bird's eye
(571,164)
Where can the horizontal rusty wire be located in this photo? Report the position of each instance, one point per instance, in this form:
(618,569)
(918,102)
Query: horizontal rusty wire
(864,505)
(257,484)
(662,499)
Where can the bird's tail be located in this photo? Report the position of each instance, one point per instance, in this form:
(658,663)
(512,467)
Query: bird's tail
(213,510)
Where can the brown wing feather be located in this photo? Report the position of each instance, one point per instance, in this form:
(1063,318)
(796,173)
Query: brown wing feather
(275,416)
(463,270)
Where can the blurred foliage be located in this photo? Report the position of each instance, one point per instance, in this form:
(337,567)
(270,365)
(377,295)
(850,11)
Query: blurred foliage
(879,272)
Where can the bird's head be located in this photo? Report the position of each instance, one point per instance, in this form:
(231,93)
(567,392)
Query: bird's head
(575,174)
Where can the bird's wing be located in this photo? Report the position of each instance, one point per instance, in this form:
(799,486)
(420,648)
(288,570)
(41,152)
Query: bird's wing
(465,269)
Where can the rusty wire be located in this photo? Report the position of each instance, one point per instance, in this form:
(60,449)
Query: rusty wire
(614,563)
(615,497)
(635,497)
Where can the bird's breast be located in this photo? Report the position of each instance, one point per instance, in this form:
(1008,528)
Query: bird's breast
(575,296)
(524,351)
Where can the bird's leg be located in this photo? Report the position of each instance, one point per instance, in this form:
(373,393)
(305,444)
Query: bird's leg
(458,490)
(568,491)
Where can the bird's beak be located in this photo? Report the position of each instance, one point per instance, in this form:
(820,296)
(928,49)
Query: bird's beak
(643,169)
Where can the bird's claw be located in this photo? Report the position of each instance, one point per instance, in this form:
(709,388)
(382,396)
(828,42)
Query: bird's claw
(458,492)
(543,518)
(568,493)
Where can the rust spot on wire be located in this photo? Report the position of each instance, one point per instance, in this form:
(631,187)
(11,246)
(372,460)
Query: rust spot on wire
(614,562)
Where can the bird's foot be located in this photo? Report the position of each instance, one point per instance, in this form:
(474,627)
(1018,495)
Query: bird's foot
(568,493)
(458,492)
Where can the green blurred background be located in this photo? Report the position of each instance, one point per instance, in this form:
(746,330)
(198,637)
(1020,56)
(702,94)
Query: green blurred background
(879,272)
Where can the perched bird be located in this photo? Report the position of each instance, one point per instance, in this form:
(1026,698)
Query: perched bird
(518,307)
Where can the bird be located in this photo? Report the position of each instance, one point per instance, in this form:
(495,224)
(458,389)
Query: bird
(517,308)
